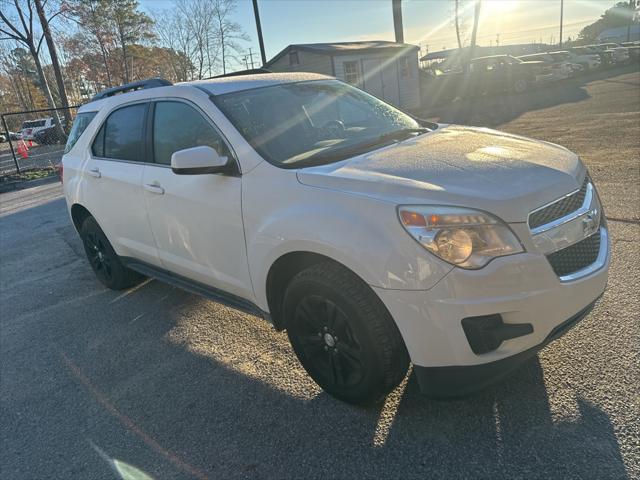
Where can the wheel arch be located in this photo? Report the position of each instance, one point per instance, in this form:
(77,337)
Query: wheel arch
(79,214)
(282,270)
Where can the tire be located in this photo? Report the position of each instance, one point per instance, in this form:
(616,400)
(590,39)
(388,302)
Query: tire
(343,334)
(103,258)
(520,85)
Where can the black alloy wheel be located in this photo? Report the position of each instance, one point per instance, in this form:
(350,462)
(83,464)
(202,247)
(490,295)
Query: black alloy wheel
(98,258)
(343,334)
(104,260)
(329,344)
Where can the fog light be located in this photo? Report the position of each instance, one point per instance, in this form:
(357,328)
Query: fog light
(486,333)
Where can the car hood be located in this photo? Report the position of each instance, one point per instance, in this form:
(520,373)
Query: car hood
(504,174)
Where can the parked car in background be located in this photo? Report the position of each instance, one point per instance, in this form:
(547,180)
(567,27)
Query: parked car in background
(13,136)
(31,127)
(607,57)
(585,52)
(560,69)
(620,52)
(569,59)
(49,136)
(587,61)
(499,73)
(634,50)
(437,86)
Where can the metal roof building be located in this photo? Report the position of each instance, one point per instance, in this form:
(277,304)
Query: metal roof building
(385,69)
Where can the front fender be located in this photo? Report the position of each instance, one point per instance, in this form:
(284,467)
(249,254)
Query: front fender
(361,233)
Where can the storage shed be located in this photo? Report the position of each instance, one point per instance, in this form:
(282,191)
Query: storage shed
(387,70)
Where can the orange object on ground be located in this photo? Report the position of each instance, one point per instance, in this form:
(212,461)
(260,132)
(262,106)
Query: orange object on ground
(22,149)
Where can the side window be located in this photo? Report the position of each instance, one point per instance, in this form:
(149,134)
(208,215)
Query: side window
(177,126)
(120,136)
(351,73)
(98,143)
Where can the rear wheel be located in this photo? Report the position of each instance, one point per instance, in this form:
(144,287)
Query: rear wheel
(103,258)
(343,335)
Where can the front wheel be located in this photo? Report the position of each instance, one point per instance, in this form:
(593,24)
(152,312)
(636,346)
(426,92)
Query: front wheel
(343,335)
(103,259)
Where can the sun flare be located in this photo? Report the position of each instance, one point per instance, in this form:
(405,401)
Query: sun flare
(499,6)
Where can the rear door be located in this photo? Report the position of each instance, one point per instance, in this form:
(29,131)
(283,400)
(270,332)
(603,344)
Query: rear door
(113,182)
(196,219)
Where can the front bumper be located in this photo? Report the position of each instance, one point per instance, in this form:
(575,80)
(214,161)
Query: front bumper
(522,289)
(451,382)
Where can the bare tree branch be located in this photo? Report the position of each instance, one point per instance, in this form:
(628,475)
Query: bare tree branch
(12,27)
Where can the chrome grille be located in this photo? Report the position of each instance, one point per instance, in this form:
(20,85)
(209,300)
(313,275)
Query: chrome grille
(576,257)
(559,208)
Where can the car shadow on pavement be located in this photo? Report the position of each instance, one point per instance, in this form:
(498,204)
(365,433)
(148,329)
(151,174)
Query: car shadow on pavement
(212,393)
(494,110)
(511,430)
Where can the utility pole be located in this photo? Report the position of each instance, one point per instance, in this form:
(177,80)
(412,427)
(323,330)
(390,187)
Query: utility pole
(397,20)
(561,14)
(259,29)
(497,39)
(632,8)
(474,32)
(250,58)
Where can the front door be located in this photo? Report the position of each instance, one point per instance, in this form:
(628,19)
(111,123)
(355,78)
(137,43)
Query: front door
(196,219)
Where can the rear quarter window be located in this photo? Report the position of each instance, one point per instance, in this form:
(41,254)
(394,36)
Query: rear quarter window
(80,124)
(120,136)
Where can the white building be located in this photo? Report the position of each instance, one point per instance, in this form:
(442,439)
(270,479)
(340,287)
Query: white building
(387,70)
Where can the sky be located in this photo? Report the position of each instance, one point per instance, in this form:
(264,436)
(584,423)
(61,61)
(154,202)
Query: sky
(427,23)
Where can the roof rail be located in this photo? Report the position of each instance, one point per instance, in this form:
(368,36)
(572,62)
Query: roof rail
(251,71)
(131,87)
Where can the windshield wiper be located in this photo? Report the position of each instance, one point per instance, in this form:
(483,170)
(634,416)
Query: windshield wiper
(349,150)
(403,132)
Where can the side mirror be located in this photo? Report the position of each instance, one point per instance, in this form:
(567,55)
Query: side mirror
(200,160)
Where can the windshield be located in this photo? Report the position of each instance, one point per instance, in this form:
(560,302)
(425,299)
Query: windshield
(315,122)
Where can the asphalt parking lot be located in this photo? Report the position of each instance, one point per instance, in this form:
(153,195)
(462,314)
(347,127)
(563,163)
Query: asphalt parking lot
(158,382)
(38,156)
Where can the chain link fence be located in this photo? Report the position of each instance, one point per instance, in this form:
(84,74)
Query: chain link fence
(32,142)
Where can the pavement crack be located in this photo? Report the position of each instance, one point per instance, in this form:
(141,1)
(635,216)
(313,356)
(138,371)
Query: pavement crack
(623,220)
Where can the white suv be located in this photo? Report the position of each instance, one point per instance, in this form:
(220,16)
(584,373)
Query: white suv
(373,238)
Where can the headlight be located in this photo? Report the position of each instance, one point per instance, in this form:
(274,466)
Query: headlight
(463,237)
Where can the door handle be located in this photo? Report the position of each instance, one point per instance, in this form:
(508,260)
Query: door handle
(154,188)
(95,172)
